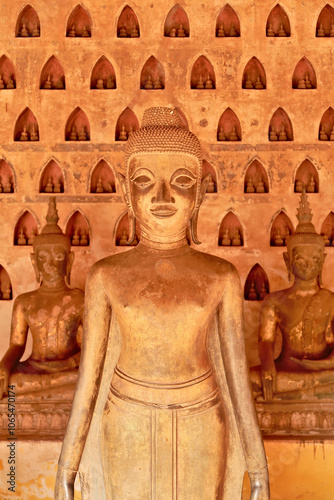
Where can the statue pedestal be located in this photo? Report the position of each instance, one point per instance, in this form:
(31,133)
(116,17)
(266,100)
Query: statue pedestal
(296,419)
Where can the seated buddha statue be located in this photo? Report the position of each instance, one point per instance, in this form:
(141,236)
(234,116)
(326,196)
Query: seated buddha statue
(52,313)
(304,314)
(165,396)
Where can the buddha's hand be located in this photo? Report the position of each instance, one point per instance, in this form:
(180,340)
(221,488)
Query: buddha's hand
(268,380)
(4,376)
(64,489)
(259,481)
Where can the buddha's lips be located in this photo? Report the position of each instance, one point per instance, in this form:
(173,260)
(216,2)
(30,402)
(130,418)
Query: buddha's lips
(162,212)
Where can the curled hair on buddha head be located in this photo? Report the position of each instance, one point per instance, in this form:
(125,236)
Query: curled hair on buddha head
(162,131)
(51,232)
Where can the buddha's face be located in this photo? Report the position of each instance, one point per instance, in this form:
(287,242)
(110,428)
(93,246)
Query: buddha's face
(306,261)
(51,261)
(163,192)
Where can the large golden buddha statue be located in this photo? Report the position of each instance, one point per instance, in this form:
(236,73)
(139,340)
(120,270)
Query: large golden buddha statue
(304,313)
(165,427)
(53,314)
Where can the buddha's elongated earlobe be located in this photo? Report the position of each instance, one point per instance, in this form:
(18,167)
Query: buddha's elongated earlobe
(131,217)
(194,219)
(34,264)
(288,265)
(70,260)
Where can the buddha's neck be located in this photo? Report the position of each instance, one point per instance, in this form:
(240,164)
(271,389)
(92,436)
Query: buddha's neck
(150,244)
(311,285)
(53,287)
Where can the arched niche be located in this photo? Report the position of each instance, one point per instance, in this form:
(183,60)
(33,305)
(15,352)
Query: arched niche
(230,231)
(7,74)
(6,178)
(52,75)
(26,127)
(52,179)
(257,284)
(207,168)
(77,126)
(126,124)
(177,23)
(256,179)
(229,128)
(25,229)
(103,75)
(77,228)
(325,22)
(122,232)
(278,23)
(79,23)
(128,25)
(281,230)
(202,74)
(326,127)
(102,179)
(254,76)
(227,23)
(152,75)
(28,24)
(307,177)
(304,76)
(280,127)
(327,229)
(6,289)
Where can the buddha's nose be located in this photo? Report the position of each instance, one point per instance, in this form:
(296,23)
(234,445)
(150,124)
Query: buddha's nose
(163,194)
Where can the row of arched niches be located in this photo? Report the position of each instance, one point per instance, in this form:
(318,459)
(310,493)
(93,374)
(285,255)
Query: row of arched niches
(152,77)
(79,23)
(77,127)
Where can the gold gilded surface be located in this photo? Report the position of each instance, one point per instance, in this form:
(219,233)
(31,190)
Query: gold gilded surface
(167,430)
(304,313)
(52,313)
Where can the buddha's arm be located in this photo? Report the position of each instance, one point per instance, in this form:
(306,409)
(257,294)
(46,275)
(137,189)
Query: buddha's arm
(316,364)
(18,339)
(230,325)
(94,345)
(267,334)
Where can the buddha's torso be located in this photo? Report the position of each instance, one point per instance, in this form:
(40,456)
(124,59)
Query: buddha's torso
(53,320)
(305,320)
(164,305)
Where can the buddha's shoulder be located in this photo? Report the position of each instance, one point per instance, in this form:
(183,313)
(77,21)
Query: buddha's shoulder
(213,263)
(112,263)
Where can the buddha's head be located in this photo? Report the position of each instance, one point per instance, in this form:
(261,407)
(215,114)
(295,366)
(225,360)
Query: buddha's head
(52,258)
(163,187)
(305,256)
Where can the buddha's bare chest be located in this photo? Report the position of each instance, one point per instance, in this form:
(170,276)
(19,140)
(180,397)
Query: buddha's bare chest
(57,317)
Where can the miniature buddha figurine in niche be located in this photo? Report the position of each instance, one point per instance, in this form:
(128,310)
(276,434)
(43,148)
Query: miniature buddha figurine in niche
(249,83)
(172,33)
(85,33)
(258,83)
(282,135)
(35,31)
(73,134)
(260,186)
(181,32)
(221,135)
(7,294)
(252,295)
(2,86)
(298,187)
(211,186)
(327,239)
(149,83)
(200,83)
(250,186)
(134,32)
(31,238)
(123,136)
(47,83)
(308,83)
(24,31)
(322,135)
(273,135)
(10,84)
(99,84)
(304,314)
(301,84)
(182,290)
(1,185)
(34,134)
(232,31)
(234,135)
(226,240)
(270,31)
(49,186)
(287,235)
(123,241)
(331,137)
(82,136)
(208,83)
(157,83)
(221,31)
(60,84)
(321,31)
(24,134)
(72,32)
(53,313)
(99,186)
(83,238)
(75,237)
(311,186)
(110,83)
(236,240)
(57,187)
(278,238)
(263,291)
(21,240)
(332,30)
(8,187)
(282,31)
(123,32)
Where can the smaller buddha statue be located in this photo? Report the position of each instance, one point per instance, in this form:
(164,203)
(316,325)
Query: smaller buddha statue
(249,83)
(236,240)
(21,240)
(200,83)
(7,294)
(208,83)
(226,240)
(252,295)
(49,186)
(47,83)
(308,83)
(332,30)
(320,31)
(123,136)
(134,32)
(99,84)
(24,134)
(221,32)
(99,186)
(59,85)
(327,239)
(311,186)
(322,134)
(273,135)
(2,86)
(258,84)
(31,238)
(57,187)
(172,33)
(75,237)
(331,137)
(270,31)
(123,32)
(181,32)
(233,31)
(234,135)
(221,135)
(10,83)
(282,135)
(1,185)
(130,130)
(83,238)
(148,83)
(8,187)
(110,83)
(286,235)
(211,186)
(72,32)
(73,134)
(34,134)
(298,186)
(282,31)
(35,31)
(82,136)
(278,238)
(85,33)
(123,241)
(24,32)
(263,291)
(157,84)
(301,84)
(250,186)
(260,186)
